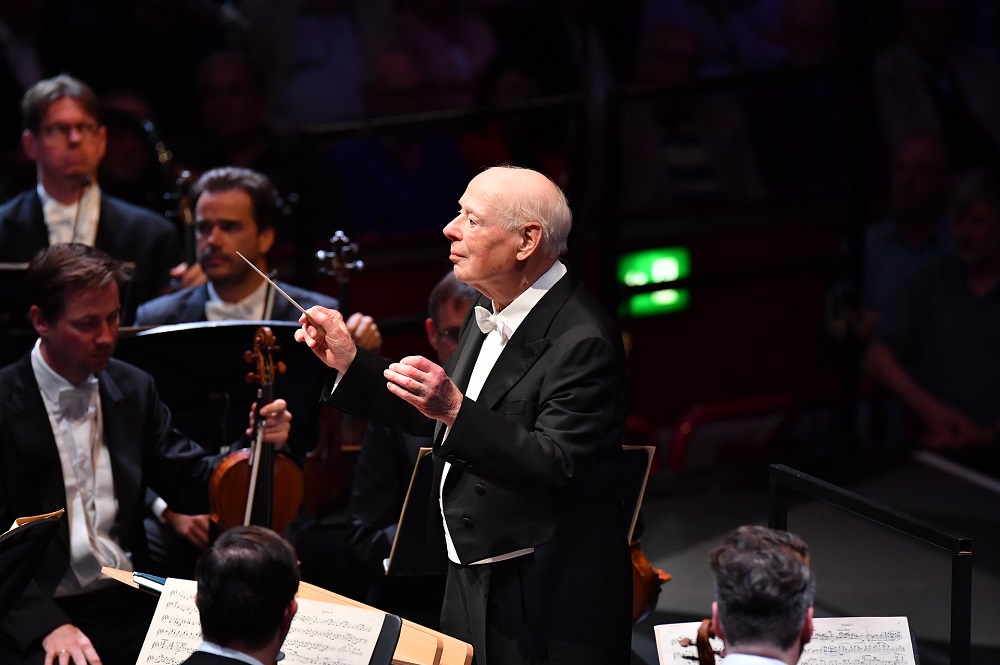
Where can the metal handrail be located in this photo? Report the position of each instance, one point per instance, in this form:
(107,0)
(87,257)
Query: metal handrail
(783,478)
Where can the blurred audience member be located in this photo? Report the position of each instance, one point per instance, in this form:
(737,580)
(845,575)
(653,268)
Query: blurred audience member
(137,165)
(234,131)
(400,181)
(315,55)
(937,346)
(453,45)
(688,150)
(932,83)
(537,140)
(736,34)
(802,127)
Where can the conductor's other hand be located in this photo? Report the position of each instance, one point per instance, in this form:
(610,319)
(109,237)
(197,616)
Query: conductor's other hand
(331,341)
(365,332)
(426,386)
(67,644)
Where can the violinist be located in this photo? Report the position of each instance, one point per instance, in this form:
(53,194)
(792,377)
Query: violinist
(82,431)
(235,210)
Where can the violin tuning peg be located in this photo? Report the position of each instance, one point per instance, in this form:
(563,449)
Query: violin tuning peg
(251,377)
(281,367)
(248,356)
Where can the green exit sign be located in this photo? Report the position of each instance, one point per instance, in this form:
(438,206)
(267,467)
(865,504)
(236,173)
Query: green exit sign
(654,266)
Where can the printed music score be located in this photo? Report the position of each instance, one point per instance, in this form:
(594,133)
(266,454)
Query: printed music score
(321,633)
(837,640)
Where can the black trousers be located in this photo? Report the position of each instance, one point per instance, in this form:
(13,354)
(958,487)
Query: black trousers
(506,613)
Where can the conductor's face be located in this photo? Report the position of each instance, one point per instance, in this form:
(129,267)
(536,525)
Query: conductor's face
(81,339)
(485,254)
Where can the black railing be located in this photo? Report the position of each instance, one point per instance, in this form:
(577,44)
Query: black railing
(784,479)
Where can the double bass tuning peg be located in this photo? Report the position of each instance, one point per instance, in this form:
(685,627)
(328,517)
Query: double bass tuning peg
(342,257)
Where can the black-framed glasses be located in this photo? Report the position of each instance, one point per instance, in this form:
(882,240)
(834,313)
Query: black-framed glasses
(64,130)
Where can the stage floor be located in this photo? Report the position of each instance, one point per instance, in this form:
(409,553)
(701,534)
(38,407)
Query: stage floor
(862,569)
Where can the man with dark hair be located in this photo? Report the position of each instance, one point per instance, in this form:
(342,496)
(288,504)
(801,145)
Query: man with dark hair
(527,422)
(246,597)
(236,210)
(64,136)
(764,591)
(82,431)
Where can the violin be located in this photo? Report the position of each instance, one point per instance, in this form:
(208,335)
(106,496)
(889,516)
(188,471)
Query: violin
(325,471)
(646,583)
(255,485)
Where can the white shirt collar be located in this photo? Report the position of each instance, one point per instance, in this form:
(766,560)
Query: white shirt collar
(212,647)
(49,381)
(251,308)
(518,310)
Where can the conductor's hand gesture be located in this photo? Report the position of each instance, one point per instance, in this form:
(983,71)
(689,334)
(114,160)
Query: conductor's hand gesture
(325,332)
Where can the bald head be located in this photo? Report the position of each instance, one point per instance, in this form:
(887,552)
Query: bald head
(521,195)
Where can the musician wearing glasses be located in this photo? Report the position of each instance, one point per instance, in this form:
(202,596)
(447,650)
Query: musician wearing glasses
(64,136)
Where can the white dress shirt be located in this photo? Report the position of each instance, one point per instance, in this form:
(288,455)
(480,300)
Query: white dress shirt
(75,417)
(255,307)
(76,222)
(496,340)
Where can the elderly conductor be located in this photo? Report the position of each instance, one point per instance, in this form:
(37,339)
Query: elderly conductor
(527,418)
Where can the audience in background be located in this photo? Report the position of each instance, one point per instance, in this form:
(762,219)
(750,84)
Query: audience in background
(932,82)
(937,346)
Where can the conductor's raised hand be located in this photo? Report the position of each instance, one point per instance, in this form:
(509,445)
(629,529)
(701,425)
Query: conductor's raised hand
(426,386)
(325,332)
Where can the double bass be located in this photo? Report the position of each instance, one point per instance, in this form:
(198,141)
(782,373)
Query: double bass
(256,485)
(325,471)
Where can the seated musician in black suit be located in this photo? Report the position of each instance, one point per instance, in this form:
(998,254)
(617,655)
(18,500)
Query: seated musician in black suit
(82,431)
(64,136)
(246,601)
(235,210)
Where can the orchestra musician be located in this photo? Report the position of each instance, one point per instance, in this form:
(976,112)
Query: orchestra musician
(82,431)
(527,419)
(235,210)
(246,601)
(64,136)
(764,591)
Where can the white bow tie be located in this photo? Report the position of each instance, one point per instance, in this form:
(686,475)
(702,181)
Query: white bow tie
(489,322)
(218,310)
(75,402)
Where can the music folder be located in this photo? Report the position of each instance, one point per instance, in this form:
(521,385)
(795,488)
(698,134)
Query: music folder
(21,550)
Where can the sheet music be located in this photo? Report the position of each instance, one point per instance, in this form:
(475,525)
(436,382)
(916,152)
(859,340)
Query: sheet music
(838,640)
(321,633)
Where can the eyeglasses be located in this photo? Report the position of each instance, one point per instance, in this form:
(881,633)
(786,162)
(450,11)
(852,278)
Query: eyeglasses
(63,131)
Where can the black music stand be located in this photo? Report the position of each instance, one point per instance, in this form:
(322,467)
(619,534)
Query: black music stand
(200,374)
